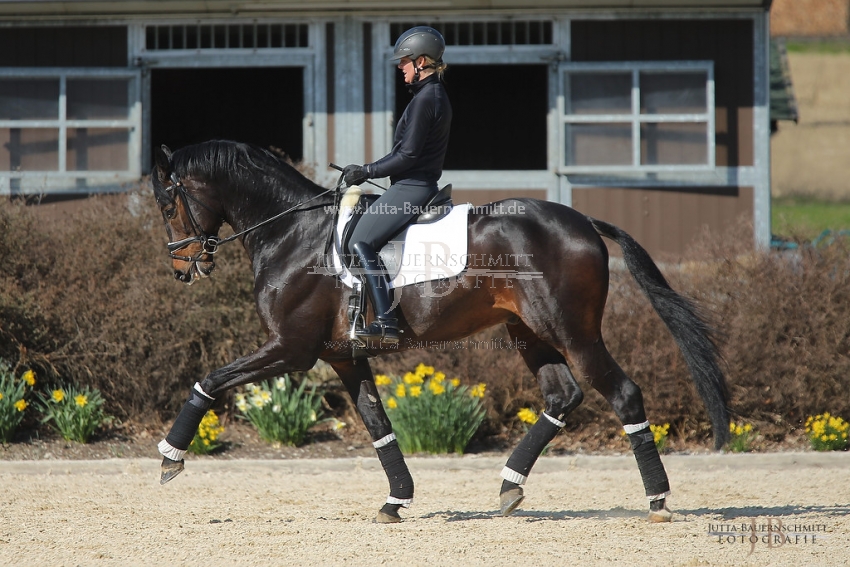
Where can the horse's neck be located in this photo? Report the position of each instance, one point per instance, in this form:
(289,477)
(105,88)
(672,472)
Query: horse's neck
(300,229)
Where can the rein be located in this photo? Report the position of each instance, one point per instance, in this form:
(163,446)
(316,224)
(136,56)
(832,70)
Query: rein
(210,243)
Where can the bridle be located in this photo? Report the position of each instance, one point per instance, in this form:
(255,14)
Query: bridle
(210,242)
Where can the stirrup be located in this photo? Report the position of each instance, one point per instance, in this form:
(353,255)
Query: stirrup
(385,331)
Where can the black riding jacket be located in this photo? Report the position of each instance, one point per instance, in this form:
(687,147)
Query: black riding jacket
(421,136)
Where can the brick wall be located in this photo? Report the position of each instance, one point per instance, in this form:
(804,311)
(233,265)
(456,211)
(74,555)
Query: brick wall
(810,18)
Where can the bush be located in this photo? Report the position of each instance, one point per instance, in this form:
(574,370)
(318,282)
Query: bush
(90,298)
(431,414)
(74,413)
(280,412)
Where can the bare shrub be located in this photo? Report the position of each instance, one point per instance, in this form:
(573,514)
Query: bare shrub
(91,300)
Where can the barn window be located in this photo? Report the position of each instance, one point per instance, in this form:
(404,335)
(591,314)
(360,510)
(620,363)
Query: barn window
(68,126)
(637,116)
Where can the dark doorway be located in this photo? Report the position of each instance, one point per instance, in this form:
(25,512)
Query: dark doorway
(258,105)
(499,115)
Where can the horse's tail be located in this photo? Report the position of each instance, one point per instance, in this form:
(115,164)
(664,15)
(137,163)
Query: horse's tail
(691,332)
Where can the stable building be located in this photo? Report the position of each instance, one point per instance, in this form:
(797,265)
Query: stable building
(653,115)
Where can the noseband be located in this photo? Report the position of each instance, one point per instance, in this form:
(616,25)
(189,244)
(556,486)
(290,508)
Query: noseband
(210,243)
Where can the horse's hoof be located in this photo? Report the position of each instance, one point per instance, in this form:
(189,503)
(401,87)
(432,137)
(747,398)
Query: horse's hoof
(170,469)
(510,499)
(388,514)
(659,516)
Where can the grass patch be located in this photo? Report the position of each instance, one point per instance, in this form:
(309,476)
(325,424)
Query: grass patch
(806,219)
(828,46)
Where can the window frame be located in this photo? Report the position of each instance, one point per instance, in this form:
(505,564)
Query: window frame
(58,180)
(634,117)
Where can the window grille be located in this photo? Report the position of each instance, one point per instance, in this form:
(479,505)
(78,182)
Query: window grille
(511,32)
(255,35)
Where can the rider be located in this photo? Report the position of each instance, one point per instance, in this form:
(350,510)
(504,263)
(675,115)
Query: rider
(414,166)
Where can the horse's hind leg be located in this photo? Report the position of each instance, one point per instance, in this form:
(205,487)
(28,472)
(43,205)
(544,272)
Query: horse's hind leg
(603,373)
(561,395)
(360,384)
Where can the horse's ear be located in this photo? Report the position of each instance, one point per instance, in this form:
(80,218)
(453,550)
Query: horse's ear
(163,158)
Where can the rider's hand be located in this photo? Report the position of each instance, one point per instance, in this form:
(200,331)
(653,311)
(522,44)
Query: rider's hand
(354,174)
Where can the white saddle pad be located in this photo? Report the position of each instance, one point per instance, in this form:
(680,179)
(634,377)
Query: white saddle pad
(423,252)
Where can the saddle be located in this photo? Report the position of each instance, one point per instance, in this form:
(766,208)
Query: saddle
(435,209)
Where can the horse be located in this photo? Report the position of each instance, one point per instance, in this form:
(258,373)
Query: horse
(283,223)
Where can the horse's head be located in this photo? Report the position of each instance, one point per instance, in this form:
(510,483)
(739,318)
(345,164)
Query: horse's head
(191,223)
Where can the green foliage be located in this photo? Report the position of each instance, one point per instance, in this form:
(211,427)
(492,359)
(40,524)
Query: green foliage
(822,46)
(12,400)
(431,414)
(206,438)
(75,413)
(741,437)
(660,434)
(827,432)
(805,219)
(279,411)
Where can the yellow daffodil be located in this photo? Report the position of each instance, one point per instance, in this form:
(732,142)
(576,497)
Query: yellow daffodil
(436,388)
(527,415)
(400,391)
(29,378)
(477,391)
(81,400)
(58,395)
(415,391)
(21,405)
(382,380)
(411,378)
(392,403)
(455,382)
(422,370)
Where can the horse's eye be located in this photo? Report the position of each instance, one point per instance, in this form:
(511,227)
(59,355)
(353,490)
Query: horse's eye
(170,212)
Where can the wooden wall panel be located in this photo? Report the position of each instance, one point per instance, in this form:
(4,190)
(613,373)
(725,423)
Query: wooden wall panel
(665,221)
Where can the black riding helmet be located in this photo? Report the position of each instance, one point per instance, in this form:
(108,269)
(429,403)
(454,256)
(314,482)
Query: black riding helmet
(421,40)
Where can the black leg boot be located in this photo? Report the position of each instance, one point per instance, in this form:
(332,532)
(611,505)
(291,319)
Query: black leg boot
(375,280)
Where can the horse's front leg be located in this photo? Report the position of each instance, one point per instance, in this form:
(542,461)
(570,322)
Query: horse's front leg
(268,361)
(359,382)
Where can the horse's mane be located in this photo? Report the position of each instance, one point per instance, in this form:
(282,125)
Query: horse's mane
(239,164)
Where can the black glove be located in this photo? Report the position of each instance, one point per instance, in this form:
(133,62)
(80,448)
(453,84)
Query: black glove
(354,174)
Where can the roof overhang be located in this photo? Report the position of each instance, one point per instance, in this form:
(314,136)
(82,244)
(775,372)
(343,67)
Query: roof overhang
(75,9)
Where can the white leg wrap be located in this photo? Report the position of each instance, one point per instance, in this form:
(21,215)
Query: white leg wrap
(201,391)
(166,450)
(404,502)
(382,442)
(661,496)
(554,421)
(629,429)
(512,476)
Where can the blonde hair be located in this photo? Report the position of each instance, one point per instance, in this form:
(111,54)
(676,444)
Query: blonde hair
(438,66)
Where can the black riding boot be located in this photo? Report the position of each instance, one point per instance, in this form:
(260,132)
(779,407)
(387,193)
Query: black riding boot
(374,277)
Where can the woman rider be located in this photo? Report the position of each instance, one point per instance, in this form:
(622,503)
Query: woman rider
(414,166)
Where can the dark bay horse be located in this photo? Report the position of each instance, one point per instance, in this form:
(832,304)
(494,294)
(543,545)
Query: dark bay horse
(556,316)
